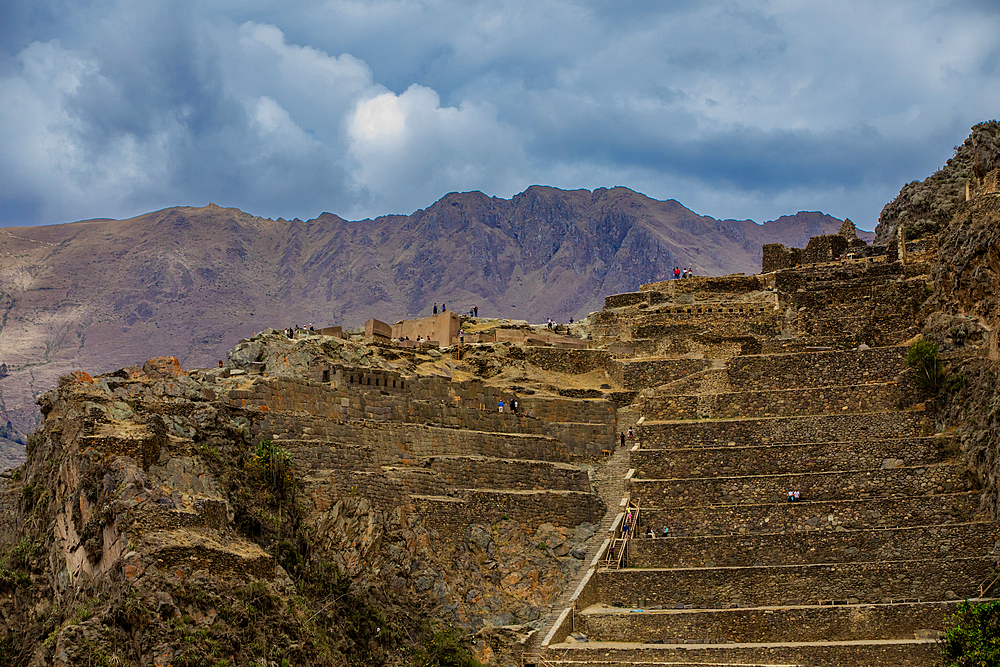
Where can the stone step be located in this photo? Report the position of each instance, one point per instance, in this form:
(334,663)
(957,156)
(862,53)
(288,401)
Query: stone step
(886,653)
(899,511)
(773,585)
(787,458)
(801,623)
(827,400)
(768,430)
(751,489)
(814,546)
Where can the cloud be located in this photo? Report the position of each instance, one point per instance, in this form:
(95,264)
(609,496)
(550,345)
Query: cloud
(736,108)
(408,147)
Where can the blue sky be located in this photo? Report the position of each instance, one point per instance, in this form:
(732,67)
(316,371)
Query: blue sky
(112,108)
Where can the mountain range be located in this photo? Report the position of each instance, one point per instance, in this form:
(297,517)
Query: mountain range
(189,282)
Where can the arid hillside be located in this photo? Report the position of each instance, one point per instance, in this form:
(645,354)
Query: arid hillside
(189,282)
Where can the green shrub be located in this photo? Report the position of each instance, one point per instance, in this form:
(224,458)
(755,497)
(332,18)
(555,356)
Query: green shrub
(271,465)
(974,638)
(923,357)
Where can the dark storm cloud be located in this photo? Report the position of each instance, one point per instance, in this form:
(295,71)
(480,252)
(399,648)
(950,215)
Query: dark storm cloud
(736,108)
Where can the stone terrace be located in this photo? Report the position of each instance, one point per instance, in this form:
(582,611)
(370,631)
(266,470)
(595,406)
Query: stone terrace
(437,446)
(862,570)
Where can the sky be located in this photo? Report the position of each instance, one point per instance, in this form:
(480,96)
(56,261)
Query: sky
(743,110)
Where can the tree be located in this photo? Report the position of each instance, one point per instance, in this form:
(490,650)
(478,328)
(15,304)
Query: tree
(974,638)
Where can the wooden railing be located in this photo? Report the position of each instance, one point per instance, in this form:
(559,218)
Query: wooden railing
(617,556)
(988,583)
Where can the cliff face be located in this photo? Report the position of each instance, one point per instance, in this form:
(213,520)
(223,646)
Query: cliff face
(925,207)
(149,526)
(188,281)
(964,318)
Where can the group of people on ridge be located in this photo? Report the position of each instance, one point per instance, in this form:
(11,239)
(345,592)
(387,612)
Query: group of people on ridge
(473,311)
(686,273)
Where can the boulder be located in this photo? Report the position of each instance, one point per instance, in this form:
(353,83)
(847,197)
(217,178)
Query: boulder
(163,367)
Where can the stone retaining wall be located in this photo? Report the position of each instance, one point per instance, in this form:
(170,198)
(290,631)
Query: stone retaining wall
(825,547)
(822,655)
(773,403)
(826,515)
(642,373)
(632,298)
(809,457)
(764,322)
(736,283)
(471,473)
(872,273)
(396,443)
(453,515)
(308,455)
(584,411)
(323,491)
(928,479)
(455,404)
(792,624)
(815,369)
(818,428)
(574,362)
(720,587)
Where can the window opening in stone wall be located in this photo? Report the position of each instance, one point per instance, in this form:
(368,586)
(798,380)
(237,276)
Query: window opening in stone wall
(326,376)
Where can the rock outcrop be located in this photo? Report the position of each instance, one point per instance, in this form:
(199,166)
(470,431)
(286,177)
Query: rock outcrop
(926,206)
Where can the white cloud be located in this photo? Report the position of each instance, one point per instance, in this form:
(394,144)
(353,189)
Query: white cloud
(409,148)
(364,108)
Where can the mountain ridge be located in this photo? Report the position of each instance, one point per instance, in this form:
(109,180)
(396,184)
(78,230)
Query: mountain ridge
(188,281)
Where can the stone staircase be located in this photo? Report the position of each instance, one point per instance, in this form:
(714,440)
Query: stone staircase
(861,571)
(609,483)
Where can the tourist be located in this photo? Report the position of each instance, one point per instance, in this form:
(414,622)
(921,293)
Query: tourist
(513,407)
(649,532)
(475,311)
(444,307)
(684,273)
(623,438)
(791,497)
(631,435)
(461,336)
(435,309)
(665,531)
(677,273)
(500,406)
(796,496)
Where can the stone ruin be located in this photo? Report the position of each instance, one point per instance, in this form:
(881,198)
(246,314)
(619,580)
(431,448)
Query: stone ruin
(820,249)
(738,389)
